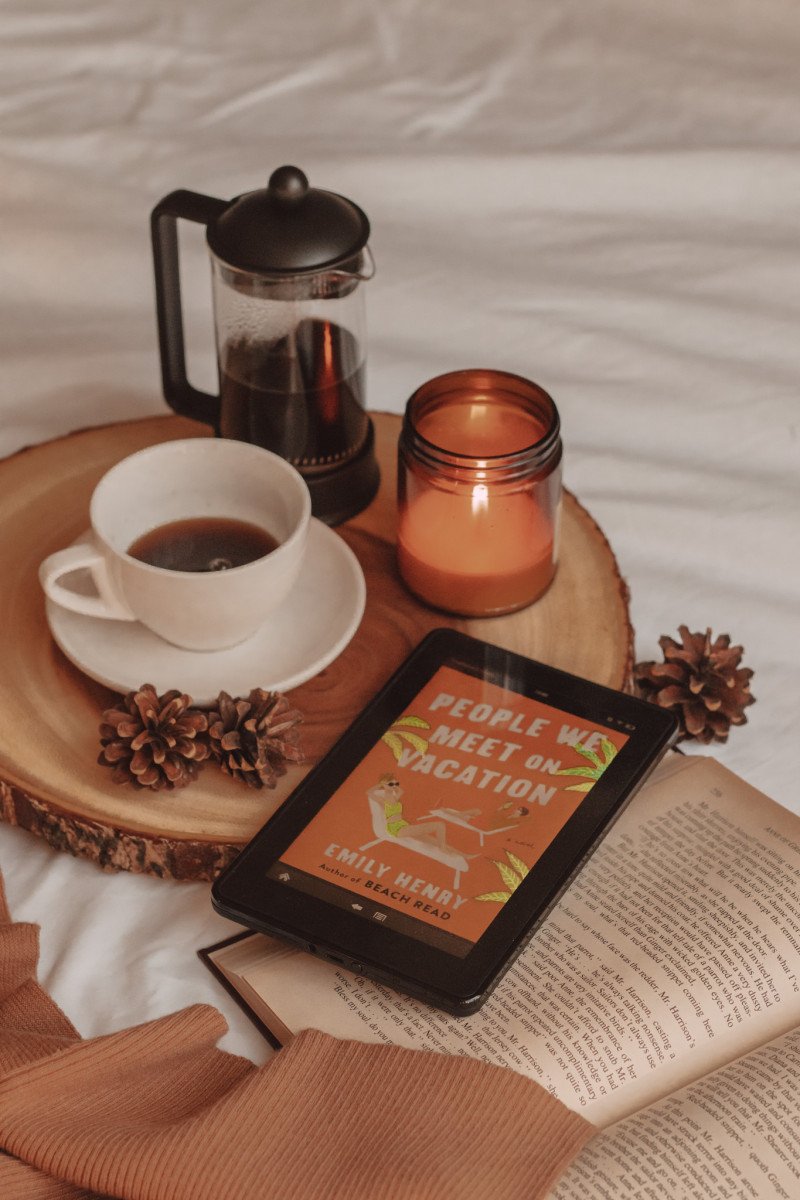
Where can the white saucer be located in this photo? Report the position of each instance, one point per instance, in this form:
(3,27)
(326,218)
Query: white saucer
(308,631)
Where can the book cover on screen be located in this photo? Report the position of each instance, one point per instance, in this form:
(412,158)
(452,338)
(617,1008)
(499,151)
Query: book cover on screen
(445,815)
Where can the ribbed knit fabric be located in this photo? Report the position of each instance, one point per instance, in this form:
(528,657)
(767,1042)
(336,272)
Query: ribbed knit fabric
(157,1112)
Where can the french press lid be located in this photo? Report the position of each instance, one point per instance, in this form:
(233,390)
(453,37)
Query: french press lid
(288,228)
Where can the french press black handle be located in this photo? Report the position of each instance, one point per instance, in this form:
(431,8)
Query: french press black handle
(178,392)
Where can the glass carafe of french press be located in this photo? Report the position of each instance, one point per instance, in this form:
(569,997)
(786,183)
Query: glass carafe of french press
(288,264)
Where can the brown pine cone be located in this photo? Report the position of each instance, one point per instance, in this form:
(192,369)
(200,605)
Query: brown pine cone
(252,739)
(702,681)
(153,741)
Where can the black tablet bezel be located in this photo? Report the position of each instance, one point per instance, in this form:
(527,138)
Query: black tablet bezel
(245,894)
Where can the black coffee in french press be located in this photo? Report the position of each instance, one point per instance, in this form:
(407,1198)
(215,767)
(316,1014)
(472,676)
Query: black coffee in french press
(288,262)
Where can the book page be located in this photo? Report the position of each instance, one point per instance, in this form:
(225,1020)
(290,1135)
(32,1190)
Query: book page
(680,936)
(672,953)
(732,1134)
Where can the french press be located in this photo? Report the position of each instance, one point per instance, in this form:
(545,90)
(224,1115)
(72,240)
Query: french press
(287,264)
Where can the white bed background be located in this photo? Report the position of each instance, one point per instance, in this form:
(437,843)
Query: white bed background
(603,196)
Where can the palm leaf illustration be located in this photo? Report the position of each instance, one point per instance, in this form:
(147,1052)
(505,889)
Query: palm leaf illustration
(609,750)
(414,740)
(396,735)
(511,876)
(394,743)
(517,864)
(599,765)
(592,756)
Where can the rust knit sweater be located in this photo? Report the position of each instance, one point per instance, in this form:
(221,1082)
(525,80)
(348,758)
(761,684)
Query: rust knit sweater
(157,1112)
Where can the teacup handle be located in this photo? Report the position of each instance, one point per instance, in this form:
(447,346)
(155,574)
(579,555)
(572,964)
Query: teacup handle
(107,603)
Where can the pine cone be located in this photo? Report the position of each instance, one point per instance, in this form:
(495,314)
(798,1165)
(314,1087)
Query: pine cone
(153,741)
(253,739)
(702,681)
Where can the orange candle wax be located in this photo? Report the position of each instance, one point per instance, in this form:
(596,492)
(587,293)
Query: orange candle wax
(479,491)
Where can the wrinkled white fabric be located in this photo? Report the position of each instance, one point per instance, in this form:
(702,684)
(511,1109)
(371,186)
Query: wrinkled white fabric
(603,197)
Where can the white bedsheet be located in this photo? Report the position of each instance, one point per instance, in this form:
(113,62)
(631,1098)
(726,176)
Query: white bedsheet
(603,197)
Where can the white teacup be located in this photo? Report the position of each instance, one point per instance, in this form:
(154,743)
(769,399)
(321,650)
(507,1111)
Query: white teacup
(174,481)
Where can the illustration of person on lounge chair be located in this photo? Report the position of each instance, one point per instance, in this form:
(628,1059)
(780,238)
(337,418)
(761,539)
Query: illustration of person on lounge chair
(505,820)
(425,837)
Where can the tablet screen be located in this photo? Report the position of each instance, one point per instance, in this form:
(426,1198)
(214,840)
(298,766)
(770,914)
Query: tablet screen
(437,825)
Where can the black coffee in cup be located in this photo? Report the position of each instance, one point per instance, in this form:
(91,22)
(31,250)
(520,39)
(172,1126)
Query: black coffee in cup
(203,544)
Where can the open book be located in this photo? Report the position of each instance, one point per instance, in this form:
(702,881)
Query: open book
(660,999)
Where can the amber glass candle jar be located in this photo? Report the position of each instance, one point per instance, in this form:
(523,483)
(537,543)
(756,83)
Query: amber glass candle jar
(479,492)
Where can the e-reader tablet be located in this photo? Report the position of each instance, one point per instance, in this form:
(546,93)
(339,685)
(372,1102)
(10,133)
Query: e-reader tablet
(427,846)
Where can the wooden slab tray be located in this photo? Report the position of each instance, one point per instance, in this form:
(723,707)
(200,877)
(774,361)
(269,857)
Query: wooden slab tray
(49,780)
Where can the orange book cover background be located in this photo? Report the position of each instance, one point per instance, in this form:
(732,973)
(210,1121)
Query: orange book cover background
(452,806)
